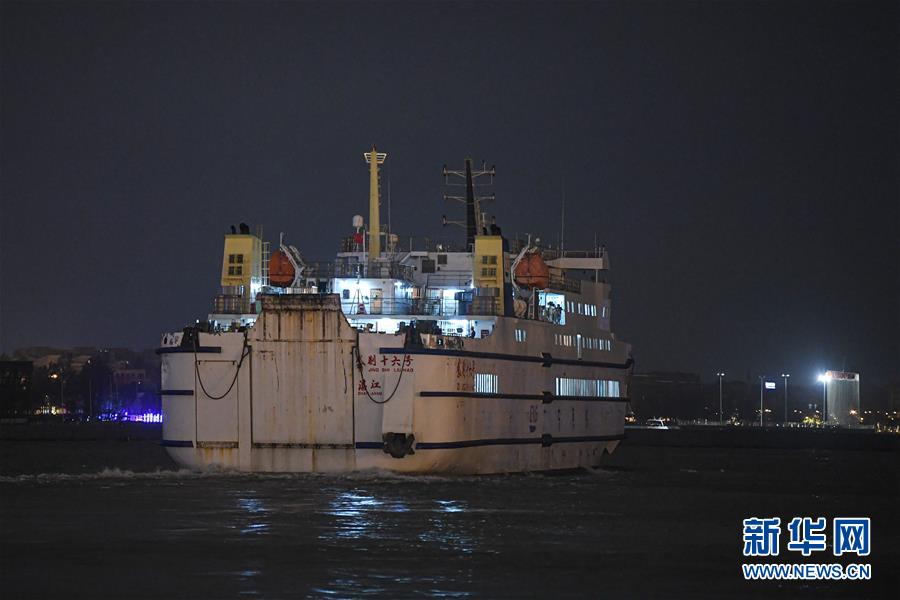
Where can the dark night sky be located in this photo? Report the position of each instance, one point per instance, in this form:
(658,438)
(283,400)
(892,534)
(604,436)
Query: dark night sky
(740,160)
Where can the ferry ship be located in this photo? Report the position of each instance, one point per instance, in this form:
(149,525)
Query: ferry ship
(494,356)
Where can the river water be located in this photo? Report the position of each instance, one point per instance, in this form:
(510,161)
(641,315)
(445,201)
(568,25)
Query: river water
(653,522)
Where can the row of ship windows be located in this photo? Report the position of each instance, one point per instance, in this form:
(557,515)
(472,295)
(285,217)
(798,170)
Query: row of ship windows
(588,343)
(596,343)
(562,339)
(489,383)
(595,388)
(588,310)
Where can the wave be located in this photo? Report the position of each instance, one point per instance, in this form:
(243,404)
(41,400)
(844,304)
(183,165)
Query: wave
(363,476)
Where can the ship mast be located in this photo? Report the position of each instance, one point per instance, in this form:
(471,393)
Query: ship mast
(474,216)
(374,158)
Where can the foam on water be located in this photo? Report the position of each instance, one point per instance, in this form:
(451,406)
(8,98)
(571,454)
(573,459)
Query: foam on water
(364,476)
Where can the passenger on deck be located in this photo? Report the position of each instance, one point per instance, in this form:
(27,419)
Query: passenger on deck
(551,313)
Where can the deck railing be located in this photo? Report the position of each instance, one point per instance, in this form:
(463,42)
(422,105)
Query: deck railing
(432,307)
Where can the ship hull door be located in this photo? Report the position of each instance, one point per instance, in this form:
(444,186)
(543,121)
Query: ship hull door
(302,398)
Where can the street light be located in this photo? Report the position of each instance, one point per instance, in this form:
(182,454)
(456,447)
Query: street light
(824,378)
(761,380)
(785,376)
(61,383)
(720,376)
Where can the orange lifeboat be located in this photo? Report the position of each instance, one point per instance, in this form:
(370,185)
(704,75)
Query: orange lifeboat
(532,272)
(281,271)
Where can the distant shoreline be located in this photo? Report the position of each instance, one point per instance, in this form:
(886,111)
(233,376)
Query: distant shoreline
(770,437)
(56,431)
(685,436)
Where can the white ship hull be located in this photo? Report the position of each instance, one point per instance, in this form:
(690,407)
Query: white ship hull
(303,391)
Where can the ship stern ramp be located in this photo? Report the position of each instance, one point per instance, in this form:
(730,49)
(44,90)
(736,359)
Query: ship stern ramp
(276,397)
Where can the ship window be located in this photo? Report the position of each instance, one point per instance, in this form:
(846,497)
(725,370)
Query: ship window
(521,335)
(442,259)
(240,258)
(594,388)
(427,265)
(231,258)
(488,272)
(231,270)
(487,383)
(345,294)
(238,270)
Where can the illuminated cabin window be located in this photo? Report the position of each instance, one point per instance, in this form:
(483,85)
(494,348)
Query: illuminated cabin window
(561,339)
(487,383)
(594,388)
(521,335)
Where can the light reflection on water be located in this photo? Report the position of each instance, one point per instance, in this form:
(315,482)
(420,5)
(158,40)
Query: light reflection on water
(450,506)
(253,519)
(359,514)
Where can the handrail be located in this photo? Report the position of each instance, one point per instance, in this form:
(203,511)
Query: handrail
(431,307)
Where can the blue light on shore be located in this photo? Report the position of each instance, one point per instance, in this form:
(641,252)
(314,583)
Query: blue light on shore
(147,417)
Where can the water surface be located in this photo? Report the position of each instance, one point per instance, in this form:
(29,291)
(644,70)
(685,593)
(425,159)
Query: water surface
(653,522)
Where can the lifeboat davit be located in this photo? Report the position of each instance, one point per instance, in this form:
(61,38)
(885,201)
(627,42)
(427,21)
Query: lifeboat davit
(532,272)
(281,271)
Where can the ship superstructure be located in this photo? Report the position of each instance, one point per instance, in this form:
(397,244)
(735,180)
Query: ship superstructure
(495,356)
